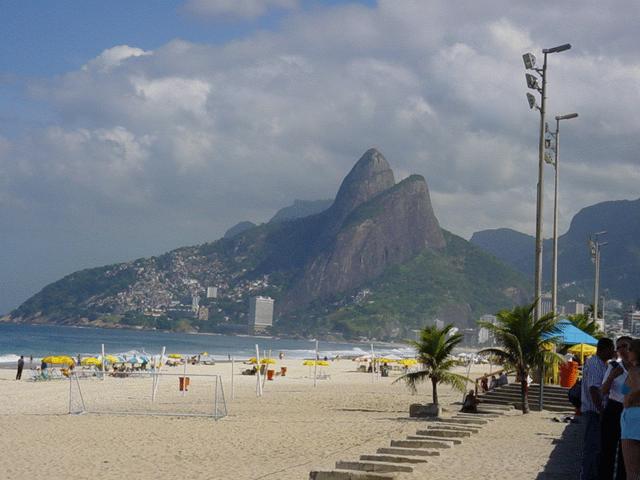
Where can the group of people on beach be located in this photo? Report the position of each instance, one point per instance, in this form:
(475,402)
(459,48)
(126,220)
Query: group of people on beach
(610,411)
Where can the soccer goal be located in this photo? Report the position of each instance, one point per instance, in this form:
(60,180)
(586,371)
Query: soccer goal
(149,393)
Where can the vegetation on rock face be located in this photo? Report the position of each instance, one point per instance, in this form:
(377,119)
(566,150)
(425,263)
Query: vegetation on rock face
(524,343)
(434,354)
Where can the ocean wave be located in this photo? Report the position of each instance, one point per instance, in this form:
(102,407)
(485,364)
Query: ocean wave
(9,358)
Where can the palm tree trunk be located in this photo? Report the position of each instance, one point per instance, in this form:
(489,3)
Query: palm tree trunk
(434,384)
(524,391)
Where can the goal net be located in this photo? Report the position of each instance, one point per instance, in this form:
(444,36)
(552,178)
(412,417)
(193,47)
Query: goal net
(148,393)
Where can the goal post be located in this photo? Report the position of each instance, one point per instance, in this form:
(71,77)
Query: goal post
(149,393)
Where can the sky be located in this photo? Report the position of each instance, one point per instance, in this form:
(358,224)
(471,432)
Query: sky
(131,128)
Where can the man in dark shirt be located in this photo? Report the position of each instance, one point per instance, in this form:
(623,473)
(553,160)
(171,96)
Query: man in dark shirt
(20,367)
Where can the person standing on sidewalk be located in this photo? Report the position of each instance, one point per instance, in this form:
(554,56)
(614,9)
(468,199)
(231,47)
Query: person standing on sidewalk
(20,367)
(592,405)
(612,384)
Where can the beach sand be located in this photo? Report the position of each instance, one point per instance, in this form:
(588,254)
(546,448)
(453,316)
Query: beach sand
(289,431)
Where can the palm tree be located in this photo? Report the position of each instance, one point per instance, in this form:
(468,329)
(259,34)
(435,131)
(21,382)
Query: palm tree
(524,342)
(585,323)
(434,353)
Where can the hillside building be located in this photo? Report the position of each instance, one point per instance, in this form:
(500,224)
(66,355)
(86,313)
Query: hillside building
(484,336)
(631,321)
(573,307)
(212,292)
(260,314)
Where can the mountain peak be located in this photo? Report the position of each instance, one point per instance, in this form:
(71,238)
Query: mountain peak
(370,176)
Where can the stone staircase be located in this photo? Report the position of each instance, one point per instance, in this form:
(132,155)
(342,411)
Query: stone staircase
(402,456)
(555,397)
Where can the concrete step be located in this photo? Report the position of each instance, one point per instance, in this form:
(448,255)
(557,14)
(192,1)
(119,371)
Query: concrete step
(457,428)
(408,451)
(533,403)
(464,421)
(517,395)
(491,416)
(504,408)
(439,432)
(452,441)
(420,443)
(392,458)
(379,467)
(345,475)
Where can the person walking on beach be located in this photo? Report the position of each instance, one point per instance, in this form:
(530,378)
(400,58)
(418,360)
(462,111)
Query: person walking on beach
(20,367)
(613,381)
(592,375)
(630,419)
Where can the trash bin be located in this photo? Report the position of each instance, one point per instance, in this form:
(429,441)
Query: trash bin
(183,383)
(283,371)
(270,374)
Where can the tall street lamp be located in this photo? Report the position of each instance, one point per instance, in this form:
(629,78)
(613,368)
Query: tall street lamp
(532,82)
(554,162)
(595,245)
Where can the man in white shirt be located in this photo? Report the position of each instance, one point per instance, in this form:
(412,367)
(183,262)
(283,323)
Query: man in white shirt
(592,405)
(611,388)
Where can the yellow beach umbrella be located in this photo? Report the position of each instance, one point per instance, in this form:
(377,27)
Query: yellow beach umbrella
(408,362)
(582,349)
(59,360)
(175,355)
(91,361)
(311,363)
(252,360)
(111,359)
(267,361)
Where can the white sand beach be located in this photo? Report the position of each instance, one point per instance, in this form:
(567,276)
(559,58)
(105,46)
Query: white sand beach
(292,429)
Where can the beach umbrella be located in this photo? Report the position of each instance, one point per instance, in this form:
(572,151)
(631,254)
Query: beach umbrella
(59,360)
(311,363)
(582,349)
(175,355)
(267,361)
(568,334)
(110,359)
(408,362)
(91,362)
(252,360)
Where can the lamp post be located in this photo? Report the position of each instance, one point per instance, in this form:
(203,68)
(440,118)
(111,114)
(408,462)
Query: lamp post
(595,245)
(530,64)
(554,162)
(532,82)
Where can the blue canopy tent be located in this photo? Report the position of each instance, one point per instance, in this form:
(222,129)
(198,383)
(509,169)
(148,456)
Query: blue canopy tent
(569,334)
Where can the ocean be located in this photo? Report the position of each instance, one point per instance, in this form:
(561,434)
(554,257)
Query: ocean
(42,340)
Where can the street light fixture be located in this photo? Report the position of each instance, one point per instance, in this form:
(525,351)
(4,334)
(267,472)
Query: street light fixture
(554,162)
(595,245)
(530,64)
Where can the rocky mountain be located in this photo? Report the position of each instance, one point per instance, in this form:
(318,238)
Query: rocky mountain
(300,209)
(238,228)
(512,247)
(375,263)
(620,260)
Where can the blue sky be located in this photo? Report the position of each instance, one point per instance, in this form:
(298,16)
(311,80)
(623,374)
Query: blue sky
(128,128)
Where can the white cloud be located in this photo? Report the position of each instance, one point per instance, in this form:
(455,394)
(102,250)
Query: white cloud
(113,57)
(245,9)
(188,139)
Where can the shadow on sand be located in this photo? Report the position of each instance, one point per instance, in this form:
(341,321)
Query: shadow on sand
(565,459)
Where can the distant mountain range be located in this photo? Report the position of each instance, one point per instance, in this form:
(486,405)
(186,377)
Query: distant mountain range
(620,259)
(372,263)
